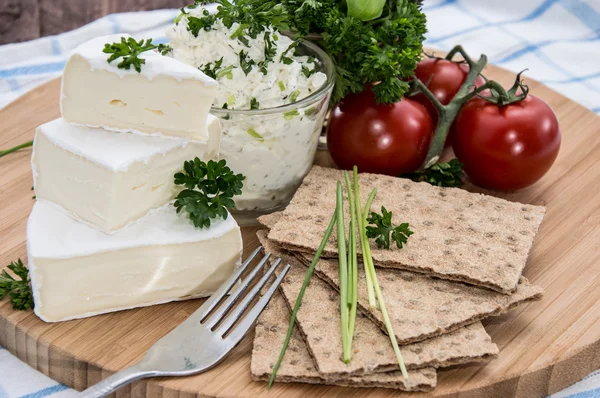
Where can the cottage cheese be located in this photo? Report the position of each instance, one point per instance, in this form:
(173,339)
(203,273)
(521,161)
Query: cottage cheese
(275,150)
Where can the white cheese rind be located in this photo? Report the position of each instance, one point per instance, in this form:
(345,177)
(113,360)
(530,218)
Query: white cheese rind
(109,179)
(77,271)
(167,98)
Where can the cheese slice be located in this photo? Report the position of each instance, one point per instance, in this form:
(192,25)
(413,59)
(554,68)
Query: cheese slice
(110,179)
(78,271)
(167,97)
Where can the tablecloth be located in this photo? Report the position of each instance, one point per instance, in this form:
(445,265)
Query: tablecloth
(557,40)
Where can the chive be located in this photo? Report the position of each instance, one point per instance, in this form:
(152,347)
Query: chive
(341,238)
(226,72)
(255,134)
(373,274)
(363,241)
(231,99)
(353,267)
(289,115)
(294,96)
(310,111)
(16,148)
(309,273)
(281,85)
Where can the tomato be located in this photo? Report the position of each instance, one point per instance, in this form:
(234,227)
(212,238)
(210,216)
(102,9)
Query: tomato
(384,139)
(444,79)
(509,147)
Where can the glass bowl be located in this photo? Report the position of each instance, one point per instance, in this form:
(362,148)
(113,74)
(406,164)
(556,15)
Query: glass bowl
(275,147)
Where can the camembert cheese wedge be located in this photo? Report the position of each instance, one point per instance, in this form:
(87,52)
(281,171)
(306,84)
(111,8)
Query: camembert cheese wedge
(78,271)
(110,179)
(167,97)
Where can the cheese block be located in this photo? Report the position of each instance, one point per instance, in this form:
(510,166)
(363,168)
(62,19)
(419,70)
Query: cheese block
(110,179)
(77,271)
(167,97)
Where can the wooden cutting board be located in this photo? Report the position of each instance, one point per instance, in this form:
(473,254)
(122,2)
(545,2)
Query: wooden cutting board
(545,346)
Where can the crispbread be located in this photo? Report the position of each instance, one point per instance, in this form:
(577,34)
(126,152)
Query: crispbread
(458,235)
(320,311)
(298,366)
(419,306)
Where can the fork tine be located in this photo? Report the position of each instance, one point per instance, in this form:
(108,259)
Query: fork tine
(242,328)
(233,297)
(239,310)
(213,300)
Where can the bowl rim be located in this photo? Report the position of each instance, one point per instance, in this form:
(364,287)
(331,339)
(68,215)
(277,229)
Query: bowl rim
(329,71)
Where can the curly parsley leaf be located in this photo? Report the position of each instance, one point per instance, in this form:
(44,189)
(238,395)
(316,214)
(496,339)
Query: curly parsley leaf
(211,69)
(129,50)
(383,228)
(254,103)
(165,49)
(448,174)
(19,290)
(210,188)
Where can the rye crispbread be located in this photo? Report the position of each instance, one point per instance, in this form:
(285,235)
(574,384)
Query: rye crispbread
(458,235)
(320,312)
(428,306)
(298,366)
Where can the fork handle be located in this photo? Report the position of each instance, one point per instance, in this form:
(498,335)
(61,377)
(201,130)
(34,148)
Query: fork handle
(116,381)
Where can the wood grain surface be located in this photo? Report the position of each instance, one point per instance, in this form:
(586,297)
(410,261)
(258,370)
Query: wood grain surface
(545,346)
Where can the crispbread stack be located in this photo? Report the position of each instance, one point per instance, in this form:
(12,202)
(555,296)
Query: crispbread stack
(435,309)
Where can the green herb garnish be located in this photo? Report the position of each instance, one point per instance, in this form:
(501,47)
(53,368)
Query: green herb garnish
(373,276)
(294,96)
(308,72)
(16,148)
(269,53)
(211,69)
(448,174)
(383,228)
(281,85)
(164,49)
(254,103)
(298,303)
(210,188)
(253,133)
(129,50)
(245,64)
(19,290)
(289,115)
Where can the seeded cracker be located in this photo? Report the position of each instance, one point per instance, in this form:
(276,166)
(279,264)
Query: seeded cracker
(319,321)
(421,307)
(458,235)
(298,366)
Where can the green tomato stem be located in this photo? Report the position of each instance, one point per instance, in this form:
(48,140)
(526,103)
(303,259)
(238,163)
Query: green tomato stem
(16,148)
(309,273)
(447,113)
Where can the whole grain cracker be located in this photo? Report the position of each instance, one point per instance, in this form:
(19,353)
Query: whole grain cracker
(458,235)
(469,344)
(298,366)
(430,306)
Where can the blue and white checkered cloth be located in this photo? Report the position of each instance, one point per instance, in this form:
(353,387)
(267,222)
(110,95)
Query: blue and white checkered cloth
(558,40)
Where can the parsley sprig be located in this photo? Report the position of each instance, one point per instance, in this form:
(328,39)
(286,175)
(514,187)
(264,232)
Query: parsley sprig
(449,174)
(130,51)
(210,188)
(383,228)
(19,290)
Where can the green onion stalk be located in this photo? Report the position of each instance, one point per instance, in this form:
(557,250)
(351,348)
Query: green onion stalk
(16,148)
(309,273)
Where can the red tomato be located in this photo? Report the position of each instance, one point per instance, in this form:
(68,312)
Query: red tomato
(385,139)
(509,147)
(444,79)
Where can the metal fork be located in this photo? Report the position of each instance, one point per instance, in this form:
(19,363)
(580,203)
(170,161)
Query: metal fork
(199,343)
